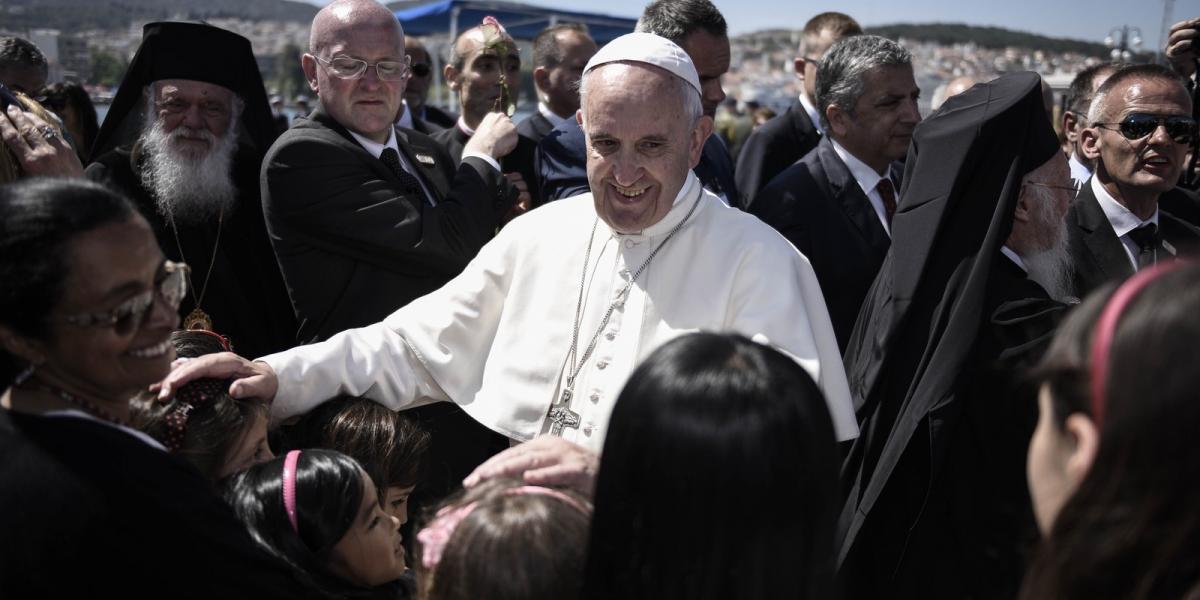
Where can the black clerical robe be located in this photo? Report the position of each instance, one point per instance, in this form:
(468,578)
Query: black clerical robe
(245,295)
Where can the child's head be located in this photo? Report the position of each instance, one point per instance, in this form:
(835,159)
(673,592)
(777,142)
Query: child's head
(388,445)
(319,512)
(504,540)
(202,423)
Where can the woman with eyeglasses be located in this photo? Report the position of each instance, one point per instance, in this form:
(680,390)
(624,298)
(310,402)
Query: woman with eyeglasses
(1113,463)
(89,506)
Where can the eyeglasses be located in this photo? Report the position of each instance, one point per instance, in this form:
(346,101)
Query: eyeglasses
(1181,129)
(344,67)
(421,70)
(128,316)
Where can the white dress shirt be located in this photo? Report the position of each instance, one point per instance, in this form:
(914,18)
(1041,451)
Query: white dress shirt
(868,179)
(555,120)
(1079,171)
(815,116)
(406,117)
(495,338)
(1122,220)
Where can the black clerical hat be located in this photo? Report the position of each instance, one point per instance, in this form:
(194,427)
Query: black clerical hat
(196,51)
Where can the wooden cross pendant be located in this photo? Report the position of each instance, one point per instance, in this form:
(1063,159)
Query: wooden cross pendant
(561,415)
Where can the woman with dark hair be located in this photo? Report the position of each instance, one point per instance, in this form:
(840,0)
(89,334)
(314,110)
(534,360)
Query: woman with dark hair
(86,310)
(1113,462)
(718,479)
(72,104)
(318,511)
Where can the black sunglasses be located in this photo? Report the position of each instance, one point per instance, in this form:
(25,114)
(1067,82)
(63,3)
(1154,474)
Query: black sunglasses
(1136,126)
(420,70)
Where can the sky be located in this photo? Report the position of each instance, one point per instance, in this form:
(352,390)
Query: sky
(1089,20)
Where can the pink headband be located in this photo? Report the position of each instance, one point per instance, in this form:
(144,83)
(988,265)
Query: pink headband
(1106,329)
(434,537)
(289,488)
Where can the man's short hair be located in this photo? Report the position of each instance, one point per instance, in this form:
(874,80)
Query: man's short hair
(546,50)
(20,53)
(841,74)
(1079,95)
(839,25)
(459,59)
(1095,112)
(676,19)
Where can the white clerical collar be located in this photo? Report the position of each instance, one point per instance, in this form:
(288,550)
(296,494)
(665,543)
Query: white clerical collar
(406,116)
(813,115)
(1013,256)
(375,148)
(691,189)
(555,120)
(868,179)
(1122,219)
(1079,171)
(462,126)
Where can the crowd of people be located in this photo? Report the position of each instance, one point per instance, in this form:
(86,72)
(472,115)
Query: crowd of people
(388,352)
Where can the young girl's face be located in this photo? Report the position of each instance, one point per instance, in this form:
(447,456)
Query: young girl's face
(395,502)
(249,450)
(370,554)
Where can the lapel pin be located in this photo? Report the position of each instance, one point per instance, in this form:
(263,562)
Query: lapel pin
(424,159)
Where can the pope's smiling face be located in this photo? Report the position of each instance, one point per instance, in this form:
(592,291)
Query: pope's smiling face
(641,142)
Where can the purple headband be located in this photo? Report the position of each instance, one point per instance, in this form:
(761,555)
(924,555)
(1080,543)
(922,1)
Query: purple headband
(289,488)
(433,538)
(1106,329)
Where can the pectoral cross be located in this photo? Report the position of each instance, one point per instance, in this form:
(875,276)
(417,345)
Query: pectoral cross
(561,415)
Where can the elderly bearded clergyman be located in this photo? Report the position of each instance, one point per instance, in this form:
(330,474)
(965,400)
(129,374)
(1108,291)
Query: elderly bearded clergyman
(184,139)
(541,330)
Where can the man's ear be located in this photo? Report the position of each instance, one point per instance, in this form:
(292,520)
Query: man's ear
(839,120)
(1089,142)
(541,79)
(1070,125)
(450,74)
(309,64)
(700,133)
(1023,213)
(798,65)
(1085,439)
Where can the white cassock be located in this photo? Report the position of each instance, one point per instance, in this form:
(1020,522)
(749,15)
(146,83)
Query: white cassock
(495,339)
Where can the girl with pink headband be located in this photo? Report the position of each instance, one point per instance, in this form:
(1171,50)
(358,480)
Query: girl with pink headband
(504,540)
(1113,463)
(319,512)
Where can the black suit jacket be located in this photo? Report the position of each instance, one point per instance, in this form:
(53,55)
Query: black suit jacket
(818,206)
(520,160)
(1098,256)
(352,243)
(775,146)
(562,164)
(536,127)
(438,117)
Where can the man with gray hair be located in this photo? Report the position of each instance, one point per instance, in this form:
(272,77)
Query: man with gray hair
(697,27)
(183,139)
(786,138)
(539,333)
(836,204)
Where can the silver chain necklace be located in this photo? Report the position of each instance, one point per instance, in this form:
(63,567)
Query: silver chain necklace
(560,413)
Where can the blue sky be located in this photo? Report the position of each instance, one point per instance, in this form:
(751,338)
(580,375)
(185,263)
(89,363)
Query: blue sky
(1078,19)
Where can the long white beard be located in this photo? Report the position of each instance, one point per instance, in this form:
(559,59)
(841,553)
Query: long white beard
(1051,268)
(189,189)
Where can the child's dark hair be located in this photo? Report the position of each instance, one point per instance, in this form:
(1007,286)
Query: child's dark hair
(504,540)
(389,445)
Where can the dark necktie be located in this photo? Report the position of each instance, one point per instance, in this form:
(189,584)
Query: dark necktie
(391,158)
(887,193)
(1146,238)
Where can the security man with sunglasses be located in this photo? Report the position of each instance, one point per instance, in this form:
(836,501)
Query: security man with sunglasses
(1139,134)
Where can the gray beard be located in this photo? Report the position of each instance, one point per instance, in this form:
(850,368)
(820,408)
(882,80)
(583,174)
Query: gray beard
(189,190)
(1051,268)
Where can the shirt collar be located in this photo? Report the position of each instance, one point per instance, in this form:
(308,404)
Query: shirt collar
(1122,219)
(691,191)
(813,115)
(375,148)
(1013,256)
(1079,171)
(555,120)
(406,117)
(462,126)
(866,177)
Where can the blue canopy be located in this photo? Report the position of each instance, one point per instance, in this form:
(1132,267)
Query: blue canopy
(523,21)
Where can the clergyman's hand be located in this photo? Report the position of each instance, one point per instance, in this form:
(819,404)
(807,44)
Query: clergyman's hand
(547,460)
(251,379)
(1183,46)
(496,136)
